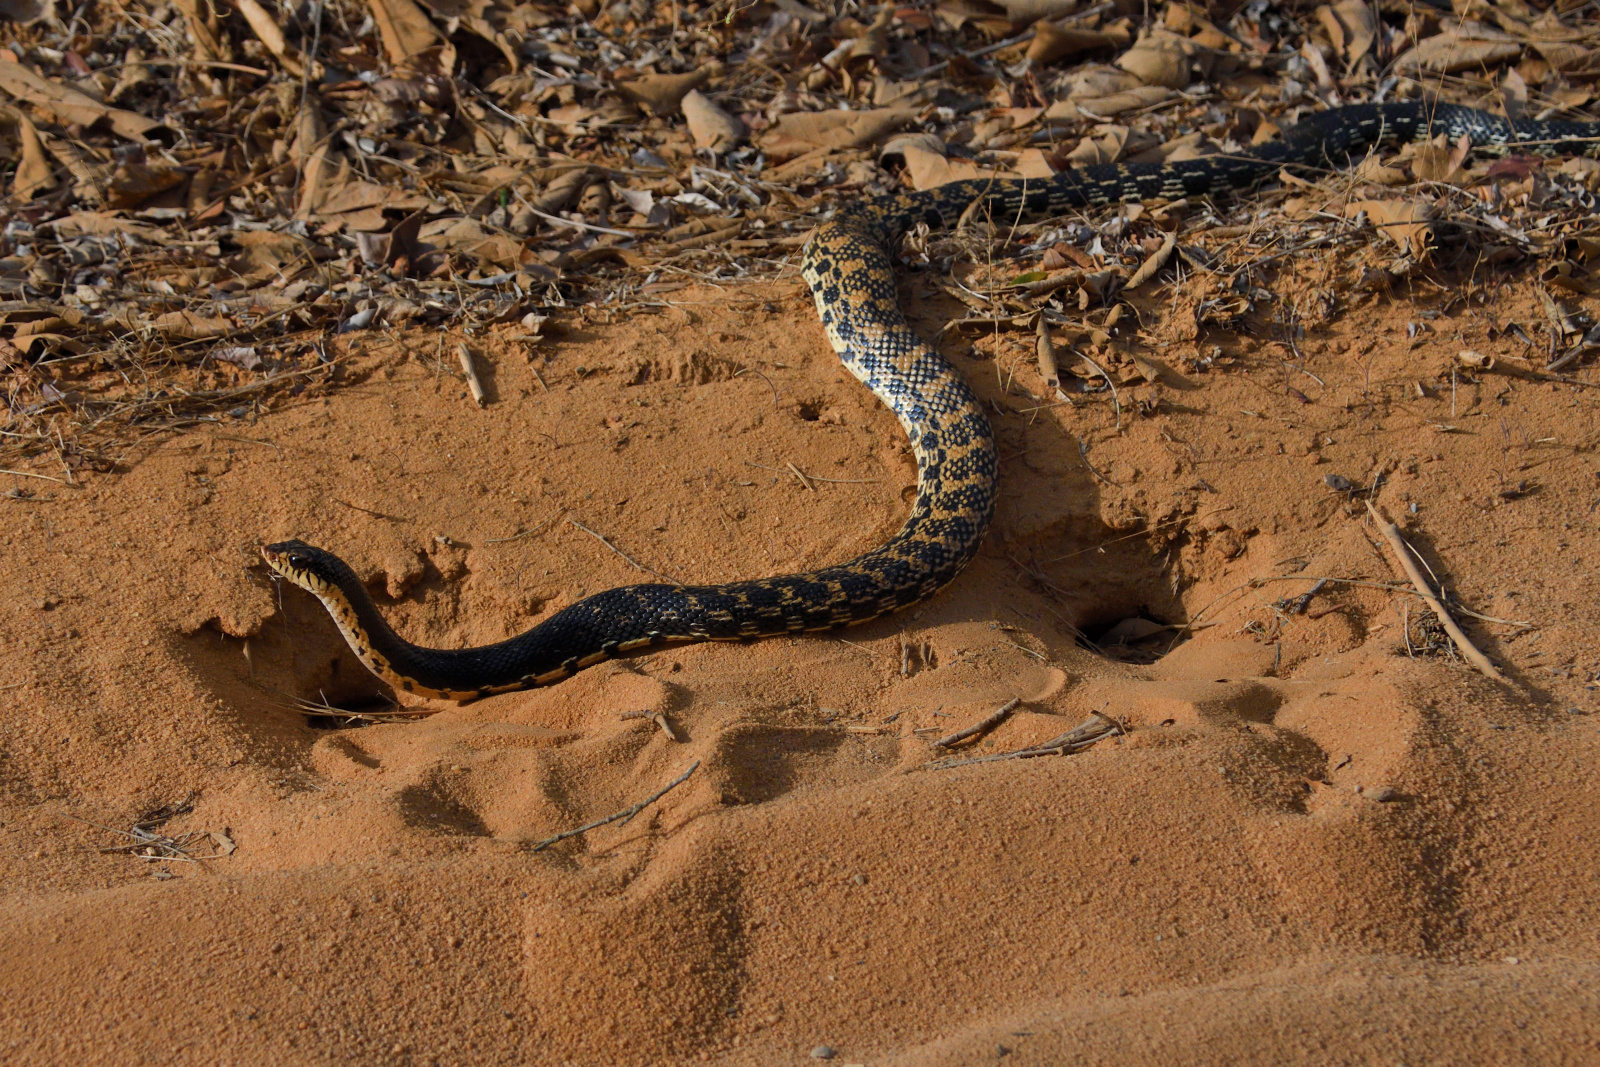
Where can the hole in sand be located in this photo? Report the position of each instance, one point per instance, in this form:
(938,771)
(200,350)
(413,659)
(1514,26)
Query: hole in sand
(1137,637)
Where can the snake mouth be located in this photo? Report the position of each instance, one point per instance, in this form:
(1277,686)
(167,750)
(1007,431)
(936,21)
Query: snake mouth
(301,564)
(278,560)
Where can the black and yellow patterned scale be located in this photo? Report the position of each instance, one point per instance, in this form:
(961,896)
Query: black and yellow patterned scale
(848,266)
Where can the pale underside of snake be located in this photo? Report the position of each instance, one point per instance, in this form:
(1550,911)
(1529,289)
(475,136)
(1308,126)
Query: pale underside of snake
(848,266)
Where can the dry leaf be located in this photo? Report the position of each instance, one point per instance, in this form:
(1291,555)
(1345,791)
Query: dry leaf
(134,183)
(469,237)
(1312,54)
(1106,147)
(1352,26)
(1406,222)
(1023,12)
(360,196)
(80,223)
(709,125)
(795,134)
(404,26)
(1155,262)
(1078,108)
(1568,57)
(975,13)
(928,169)
(1450,53)
(34,173)
(563,189)
(1514,95)
(69,105)
(1048,369)
(36,345)
(209,43)
(1157,61)
(1437,162)
(318,162)
(1051,42)
(268,31)
(660,94)
(190,326)
(243,357)
(1374,171)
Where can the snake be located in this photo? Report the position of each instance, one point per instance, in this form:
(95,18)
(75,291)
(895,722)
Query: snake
(848,266)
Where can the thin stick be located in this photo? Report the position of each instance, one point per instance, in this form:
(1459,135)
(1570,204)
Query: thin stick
(1083,454)
(202,63)
(474,383)
(796,472)
(1116,404)
(1303,601)
(41,477)
(559,221)
(623,815)
(1046,350)
(1403,552)
(367,511)
(635,563)
(983,725)
(1080,737)
(814,477)
(666,727)
(774,388)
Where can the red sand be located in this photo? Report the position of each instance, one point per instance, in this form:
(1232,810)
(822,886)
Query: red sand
(1308,846)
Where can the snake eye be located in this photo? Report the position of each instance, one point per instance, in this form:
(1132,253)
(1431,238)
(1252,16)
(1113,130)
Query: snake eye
(297,561)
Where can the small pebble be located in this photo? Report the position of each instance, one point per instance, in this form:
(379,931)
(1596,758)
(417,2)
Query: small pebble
(823,1052)
(1382,794)
(1337,482)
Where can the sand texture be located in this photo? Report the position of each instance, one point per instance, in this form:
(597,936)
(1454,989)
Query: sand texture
(1318,838)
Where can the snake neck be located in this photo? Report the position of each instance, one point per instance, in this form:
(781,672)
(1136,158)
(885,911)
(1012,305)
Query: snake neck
(372,639)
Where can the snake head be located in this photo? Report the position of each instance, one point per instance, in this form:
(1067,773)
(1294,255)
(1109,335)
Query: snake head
(305,565)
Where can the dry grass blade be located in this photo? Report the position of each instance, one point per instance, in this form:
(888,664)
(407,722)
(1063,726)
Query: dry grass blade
(145,842)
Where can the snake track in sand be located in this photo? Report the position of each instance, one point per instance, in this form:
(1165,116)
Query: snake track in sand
(848,266)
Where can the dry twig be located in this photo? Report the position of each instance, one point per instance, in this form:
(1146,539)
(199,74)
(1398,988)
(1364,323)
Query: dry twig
(635,564)
(621,816)
(984,725)
(1404,553)
(1080,737)
(474,383)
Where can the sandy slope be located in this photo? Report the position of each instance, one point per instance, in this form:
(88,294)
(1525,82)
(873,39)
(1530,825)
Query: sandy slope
(1308,845)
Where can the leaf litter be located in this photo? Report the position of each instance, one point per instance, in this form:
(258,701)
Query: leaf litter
(207,209)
